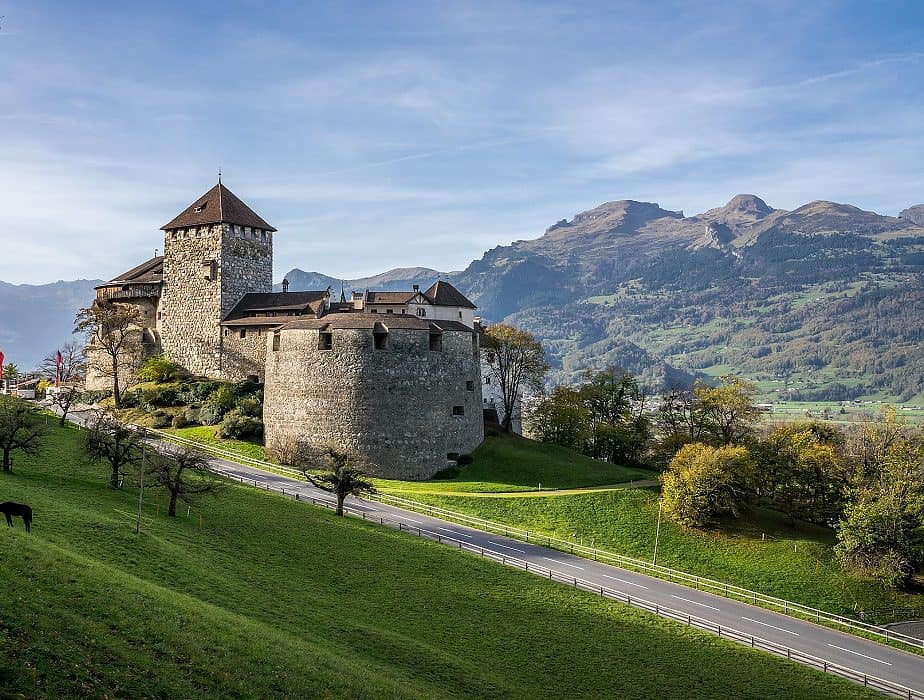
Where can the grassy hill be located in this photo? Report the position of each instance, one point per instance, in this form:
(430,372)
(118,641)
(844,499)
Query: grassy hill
(257,596)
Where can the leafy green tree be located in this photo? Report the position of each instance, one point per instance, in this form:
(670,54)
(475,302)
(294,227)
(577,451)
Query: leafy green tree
(10,371)
(562,418)
(343,480)
(805,472)
(517,362)
(158,369)
(704,484)
(21,429)
(618,427)
(729,410)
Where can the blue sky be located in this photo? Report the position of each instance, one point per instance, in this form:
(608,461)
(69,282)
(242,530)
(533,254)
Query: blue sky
(381,135)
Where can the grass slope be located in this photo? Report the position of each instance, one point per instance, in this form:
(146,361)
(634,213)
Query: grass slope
(796,564)
(268,597)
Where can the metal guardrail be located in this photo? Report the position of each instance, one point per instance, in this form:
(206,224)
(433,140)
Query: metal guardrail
(873,682)
(727,590)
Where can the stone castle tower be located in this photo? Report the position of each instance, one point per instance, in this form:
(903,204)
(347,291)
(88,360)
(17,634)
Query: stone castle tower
(215,252)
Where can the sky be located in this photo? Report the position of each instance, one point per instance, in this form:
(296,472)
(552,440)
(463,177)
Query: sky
(378,135)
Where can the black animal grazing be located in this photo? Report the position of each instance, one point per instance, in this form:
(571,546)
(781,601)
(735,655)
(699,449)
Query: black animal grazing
(10,509)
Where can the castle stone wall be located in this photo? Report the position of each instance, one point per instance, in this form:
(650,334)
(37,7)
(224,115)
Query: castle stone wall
(207,270)
(243,357)
(99,362)
(391,409)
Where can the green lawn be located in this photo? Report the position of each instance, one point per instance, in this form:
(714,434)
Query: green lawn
(207,434)
(761,553)
(272,598)
(513,463)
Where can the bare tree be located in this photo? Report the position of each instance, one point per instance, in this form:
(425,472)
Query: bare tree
(112,441)
(114,331)
(343,480)
(20,429)
(516,361)
(72,367)
(185,474)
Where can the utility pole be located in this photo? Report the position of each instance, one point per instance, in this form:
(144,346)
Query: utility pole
(654,559)
(140,490)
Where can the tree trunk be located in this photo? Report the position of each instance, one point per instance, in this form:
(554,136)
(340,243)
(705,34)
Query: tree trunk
(340,500)
(116,392)
(171,511)
(114,478)
(7,460)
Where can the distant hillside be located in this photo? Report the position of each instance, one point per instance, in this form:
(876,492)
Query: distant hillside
(37,319)
(400,278)
(826,300)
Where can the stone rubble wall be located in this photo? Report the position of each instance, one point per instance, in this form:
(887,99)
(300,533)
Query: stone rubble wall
(99,362)
(243,357)
(391,409)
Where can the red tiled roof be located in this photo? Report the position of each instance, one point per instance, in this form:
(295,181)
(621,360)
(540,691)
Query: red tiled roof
(444,294)
(218,206)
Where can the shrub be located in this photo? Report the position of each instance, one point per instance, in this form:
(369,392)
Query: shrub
(131,399)
(179,421)
(191,416)
(464,460)
(250,406)
(222,399)
(241,427)
(200,390)
(210,415)
(447,473)
(703,484)
(160,419)
(161,398)
(94,397)
(158,369)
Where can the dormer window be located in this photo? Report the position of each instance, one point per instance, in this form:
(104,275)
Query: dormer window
(200,208)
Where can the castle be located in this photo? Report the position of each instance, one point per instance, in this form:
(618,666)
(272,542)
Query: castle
(392,377)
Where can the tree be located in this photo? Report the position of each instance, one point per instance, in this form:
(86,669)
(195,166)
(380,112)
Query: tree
(343,480)
(615,405)
(680,415)
(20,429)
(113,330)
(158,369)
(729,410)
(704,483)
(184,473)
(516,361)
(10,372)
(562,419)
(106,438)
(805,471)
(73,363)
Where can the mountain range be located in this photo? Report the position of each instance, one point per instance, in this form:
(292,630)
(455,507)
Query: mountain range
(825,301)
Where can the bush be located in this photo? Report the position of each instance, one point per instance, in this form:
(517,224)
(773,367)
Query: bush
(161,398)
(159,369)
(703,484)
(131,399)
(199,390)
(250,406)
(464,460)
(179,421)
(447,473)
(241,427)
(94,397)
(161,419)
(191,416)
(210,414)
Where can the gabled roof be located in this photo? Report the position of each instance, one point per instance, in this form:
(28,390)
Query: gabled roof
(149,272)
(218,206)
(444,294)
(281,303)
(390,297)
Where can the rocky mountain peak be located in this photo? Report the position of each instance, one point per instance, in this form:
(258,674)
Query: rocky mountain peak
(621,215)
(913,214)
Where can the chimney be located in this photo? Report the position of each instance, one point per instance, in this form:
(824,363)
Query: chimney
(285,285)
(416,287)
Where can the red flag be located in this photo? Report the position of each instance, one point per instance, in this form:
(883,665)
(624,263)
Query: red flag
(1,365)
(58,369)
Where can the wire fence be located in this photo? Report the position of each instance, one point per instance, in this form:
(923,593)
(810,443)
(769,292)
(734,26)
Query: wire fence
(727,590)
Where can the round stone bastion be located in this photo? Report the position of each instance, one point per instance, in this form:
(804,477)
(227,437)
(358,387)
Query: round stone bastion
(400,394)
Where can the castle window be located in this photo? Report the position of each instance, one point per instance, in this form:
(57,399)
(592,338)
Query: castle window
(470,385)
(375,311)
(227,332)
(487,380)
(460,314)
(458,410)
(436,342)
(210,270)
(243,332)
(421,311)
(277,339)
(325,340)
(380,340)
(389,311)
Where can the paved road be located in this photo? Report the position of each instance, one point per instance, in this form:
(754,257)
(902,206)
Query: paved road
(847,650)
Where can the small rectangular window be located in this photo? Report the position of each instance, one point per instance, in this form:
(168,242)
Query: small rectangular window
(325,341)
(243,332)
(380,341)
(458,410)
(421,311)
(436,342)
(389,311)
(470,385)
(276,341)
(487,380)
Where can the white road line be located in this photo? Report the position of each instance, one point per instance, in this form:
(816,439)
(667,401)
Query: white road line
(878,661)
(455,532)
(622,580)
(559,561)
(515,549)
(694,602)
(758,622)
(404,517)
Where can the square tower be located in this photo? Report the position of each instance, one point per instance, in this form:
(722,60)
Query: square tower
(215,252)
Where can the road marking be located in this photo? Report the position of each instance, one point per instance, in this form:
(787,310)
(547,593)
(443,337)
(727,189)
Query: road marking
(758,622)
(878,661)
(455,532)
(515,549)
(558,561)
(694,602)
(404,517)
(622,580)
